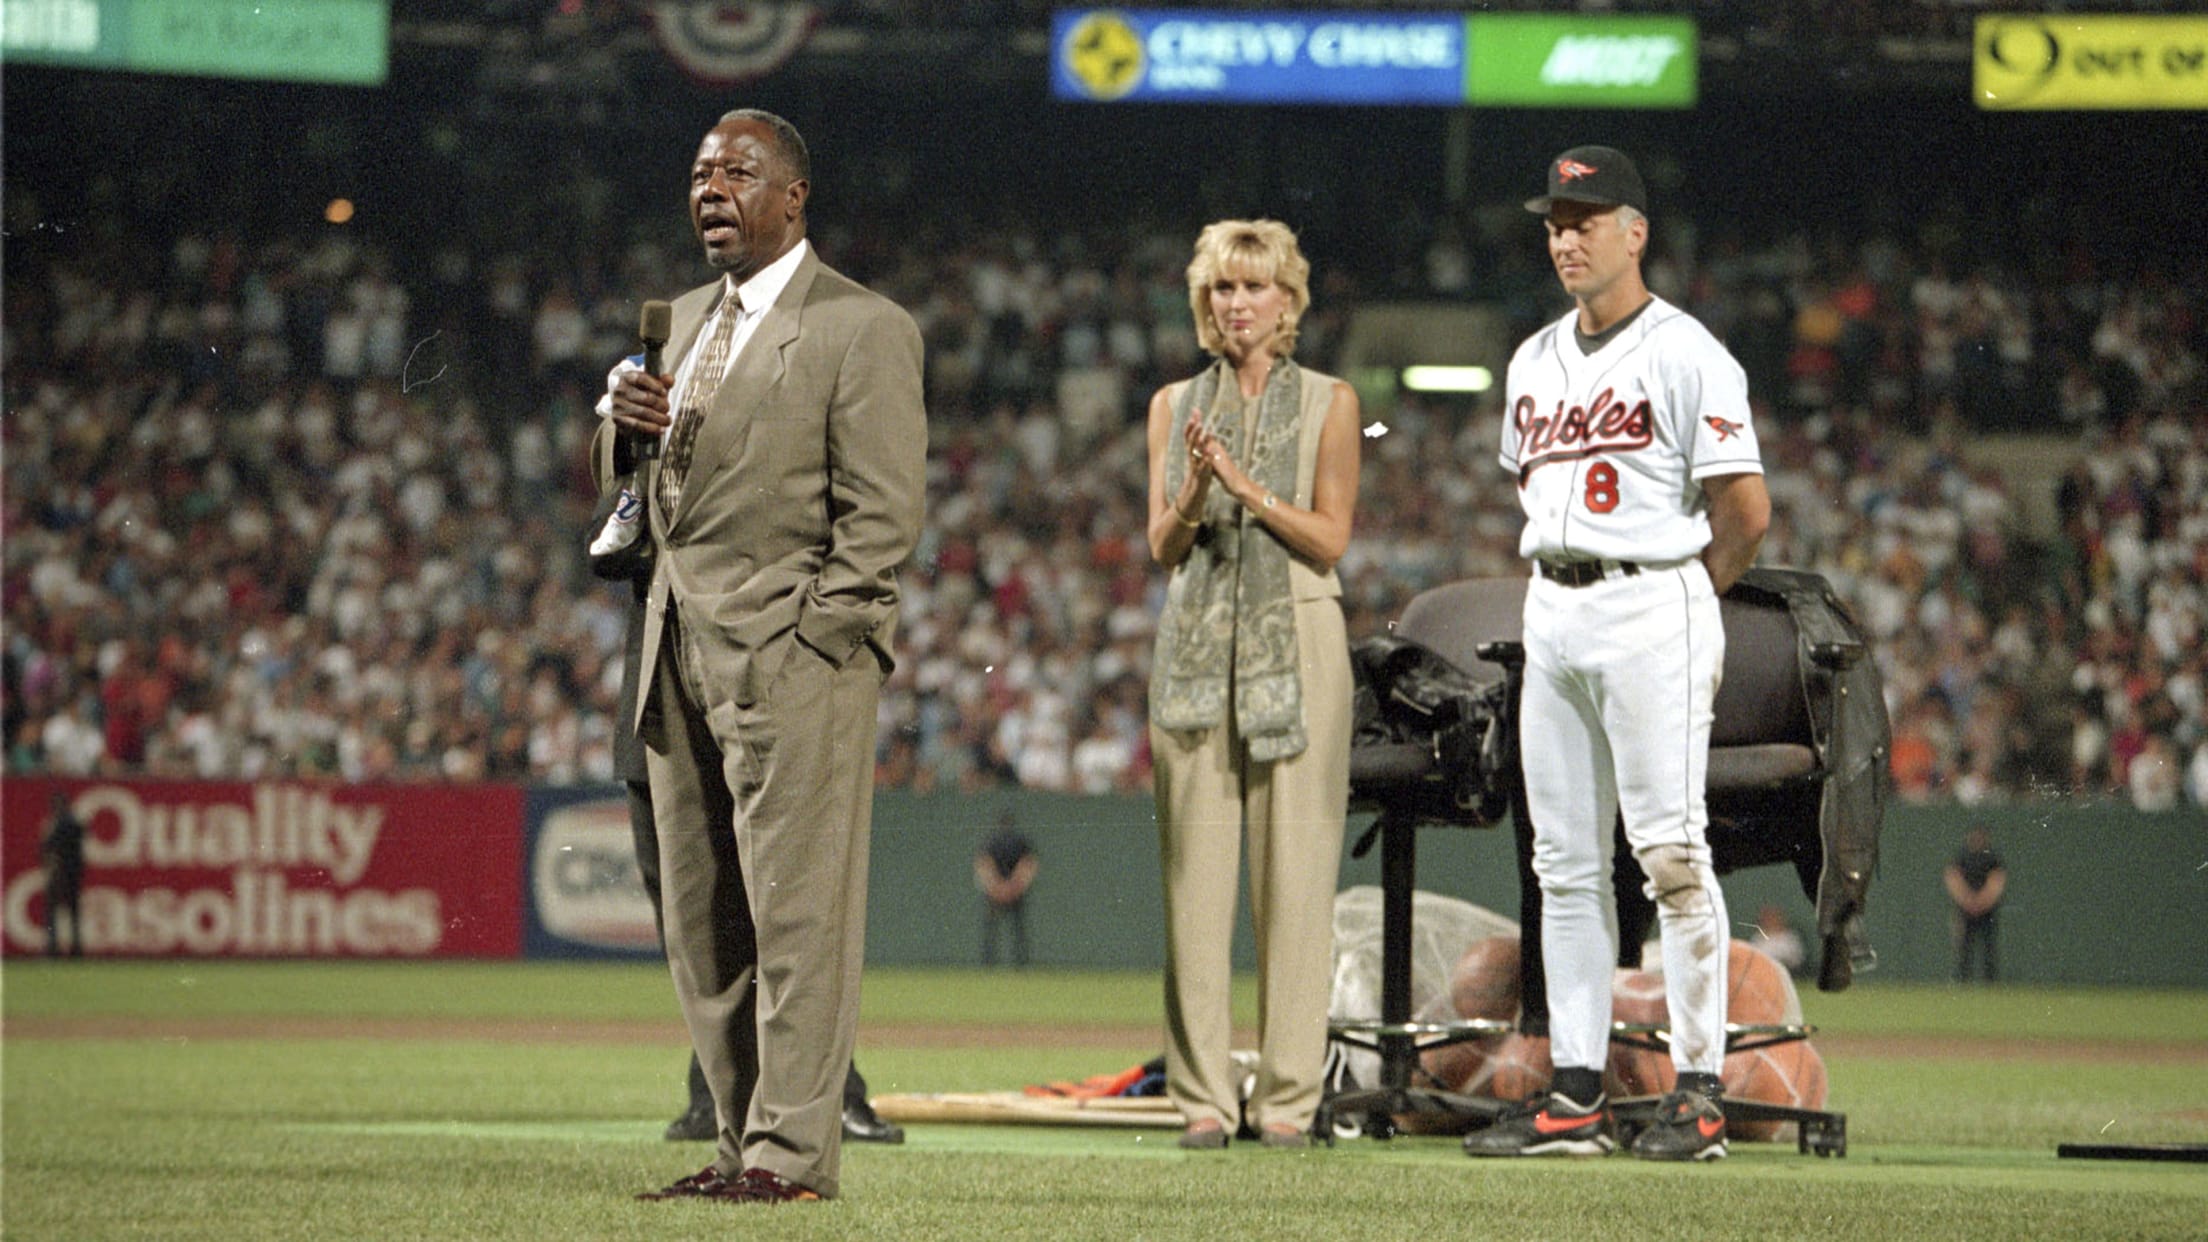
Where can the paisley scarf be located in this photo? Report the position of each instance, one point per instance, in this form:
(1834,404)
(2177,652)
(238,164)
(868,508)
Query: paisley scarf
(1229,605)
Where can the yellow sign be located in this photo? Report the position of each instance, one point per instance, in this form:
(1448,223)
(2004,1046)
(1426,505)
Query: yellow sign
(2026,60)
(1105,55)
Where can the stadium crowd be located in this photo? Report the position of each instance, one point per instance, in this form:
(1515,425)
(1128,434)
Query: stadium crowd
(314,505)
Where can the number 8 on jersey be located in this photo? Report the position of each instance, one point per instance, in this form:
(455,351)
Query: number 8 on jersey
(1608,447)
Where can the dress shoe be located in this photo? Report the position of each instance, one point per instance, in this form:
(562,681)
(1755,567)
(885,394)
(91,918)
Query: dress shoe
(862,1124)
(1204,1136)
(749,1186)
(706,1183)
(761,1186)
(695,1126)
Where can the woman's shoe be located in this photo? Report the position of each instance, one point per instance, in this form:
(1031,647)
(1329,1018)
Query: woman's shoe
(1204,1136)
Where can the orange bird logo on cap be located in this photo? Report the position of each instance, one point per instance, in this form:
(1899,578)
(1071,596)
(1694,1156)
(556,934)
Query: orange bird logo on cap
(1573,170)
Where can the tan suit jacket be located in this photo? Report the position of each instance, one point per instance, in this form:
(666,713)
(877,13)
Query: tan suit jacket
(768,543)
(767,632)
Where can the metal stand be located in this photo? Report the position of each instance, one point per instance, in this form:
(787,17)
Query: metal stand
(1397,1039)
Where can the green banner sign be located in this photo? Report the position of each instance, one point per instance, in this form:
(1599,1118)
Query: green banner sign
(1534,60)
(345,41)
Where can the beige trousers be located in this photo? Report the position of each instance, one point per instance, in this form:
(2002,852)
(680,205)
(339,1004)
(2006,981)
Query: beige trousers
(1208,794)
(764,820)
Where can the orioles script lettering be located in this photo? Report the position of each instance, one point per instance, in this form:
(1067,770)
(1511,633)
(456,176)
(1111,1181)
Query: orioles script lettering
(1603,425)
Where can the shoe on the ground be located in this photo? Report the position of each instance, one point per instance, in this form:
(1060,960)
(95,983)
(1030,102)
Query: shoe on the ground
(862,1124)
(1689,1125)
(697,1125)
(1204,1137)
(1547,1125)
(750,1186)
(756,1185)
(1285,1138)
(706,1183)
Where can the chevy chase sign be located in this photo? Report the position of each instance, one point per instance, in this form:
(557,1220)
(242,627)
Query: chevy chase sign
(1208,56)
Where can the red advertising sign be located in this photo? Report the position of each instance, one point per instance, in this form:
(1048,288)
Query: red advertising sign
(273,869)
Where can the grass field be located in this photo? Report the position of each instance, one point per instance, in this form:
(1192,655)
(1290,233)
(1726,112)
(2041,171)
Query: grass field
(499,1101)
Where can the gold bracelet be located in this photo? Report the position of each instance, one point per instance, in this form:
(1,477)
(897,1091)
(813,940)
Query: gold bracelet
(1182,520)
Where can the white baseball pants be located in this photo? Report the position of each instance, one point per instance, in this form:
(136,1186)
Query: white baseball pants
(1620,690)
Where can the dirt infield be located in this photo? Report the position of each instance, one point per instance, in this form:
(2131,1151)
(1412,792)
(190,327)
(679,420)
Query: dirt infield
(1834,1046)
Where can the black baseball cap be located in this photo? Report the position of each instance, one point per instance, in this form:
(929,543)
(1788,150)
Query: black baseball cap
(1599,175)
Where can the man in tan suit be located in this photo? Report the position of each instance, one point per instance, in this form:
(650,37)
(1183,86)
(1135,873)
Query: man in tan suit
(788,488)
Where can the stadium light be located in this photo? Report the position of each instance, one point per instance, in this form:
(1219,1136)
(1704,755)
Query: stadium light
(1448,379)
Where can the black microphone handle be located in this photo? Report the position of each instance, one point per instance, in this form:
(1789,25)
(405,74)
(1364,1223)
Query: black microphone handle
(647,446)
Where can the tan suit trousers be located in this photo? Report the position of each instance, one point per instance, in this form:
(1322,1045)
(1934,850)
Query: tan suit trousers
(783,791)
(1208,792)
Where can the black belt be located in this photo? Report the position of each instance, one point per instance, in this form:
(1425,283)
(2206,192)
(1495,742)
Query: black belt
(1581,573)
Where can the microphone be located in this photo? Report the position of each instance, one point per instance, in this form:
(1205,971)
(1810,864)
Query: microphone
(655,321)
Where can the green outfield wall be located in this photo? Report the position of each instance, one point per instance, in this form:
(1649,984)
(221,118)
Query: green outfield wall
(2097,894)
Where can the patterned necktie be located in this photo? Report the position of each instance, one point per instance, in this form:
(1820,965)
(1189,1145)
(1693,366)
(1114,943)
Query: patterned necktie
(705,380)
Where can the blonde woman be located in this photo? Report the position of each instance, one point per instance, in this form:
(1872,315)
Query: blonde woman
(1253,479)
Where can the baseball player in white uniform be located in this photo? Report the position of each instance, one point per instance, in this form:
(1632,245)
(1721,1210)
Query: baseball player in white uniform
(1629,438)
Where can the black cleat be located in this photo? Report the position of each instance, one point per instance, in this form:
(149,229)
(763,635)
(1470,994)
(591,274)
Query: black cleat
(1689,1126)
(1547,1125)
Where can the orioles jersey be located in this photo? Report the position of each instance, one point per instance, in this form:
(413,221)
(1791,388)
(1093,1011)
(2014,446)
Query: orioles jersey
(1609,449)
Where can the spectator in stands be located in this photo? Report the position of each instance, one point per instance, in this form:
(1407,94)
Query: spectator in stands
(1253,483)
(2154,780)
(2196,776)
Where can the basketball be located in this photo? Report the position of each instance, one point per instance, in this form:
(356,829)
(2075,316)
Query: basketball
(1454,1065)
(1484,984)
(1792,1074)
(1518,1066)
(1759,993)
(1511,1067)
(1484,987)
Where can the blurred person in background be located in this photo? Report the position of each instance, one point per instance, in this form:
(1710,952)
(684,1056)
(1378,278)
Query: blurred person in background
(1253,483)
(2153,777)
(787,488)
(1004,869)
(61,849)
(1976,883)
